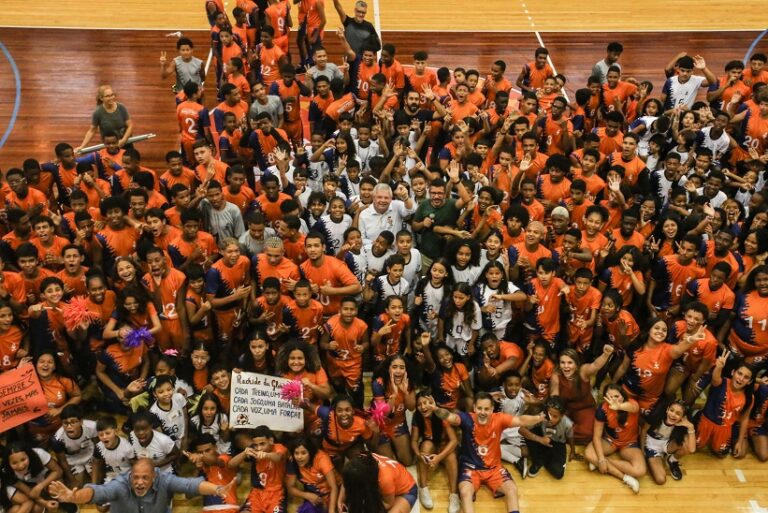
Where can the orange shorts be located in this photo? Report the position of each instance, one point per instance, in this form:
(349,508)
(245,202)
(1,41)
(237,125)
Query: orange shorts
(493,478)
(228,322)
(264,501)
(717,437)
(171,335)
(294,130)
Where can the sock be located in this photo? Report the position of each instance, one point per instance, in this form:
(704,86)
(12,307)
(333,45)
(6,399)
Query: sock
(671,458)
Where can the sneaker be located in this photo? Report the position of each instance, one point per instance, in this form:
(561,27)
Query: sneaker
(454,504)
(426,498)
(592,467)
(534,470)
(633,483)
(674,468)
(522,466)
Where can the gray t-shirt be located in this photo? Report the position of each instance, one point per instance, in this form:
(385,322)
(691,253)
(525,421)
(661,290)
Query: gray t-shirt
(227,222)
(330,72)
(187,71)
(274,107)
(600,69)
(110,121)
(358,34)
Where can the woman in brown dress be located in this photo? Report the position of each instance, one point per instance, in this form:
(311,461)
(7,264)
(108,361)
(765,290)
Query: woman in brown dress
(572,382)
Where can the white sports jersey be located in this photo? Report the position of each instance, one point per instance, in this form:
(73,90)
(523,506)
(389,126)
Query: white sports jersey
(333,231)
(364,155)
(79,450)
(681,94)
(383,288)
(117,460)
(158,448)
(718,146)
(431,301)
(214,430)
(173,419)
(498,320)
(468,275)
(412,269)
(375,263)
(458,334)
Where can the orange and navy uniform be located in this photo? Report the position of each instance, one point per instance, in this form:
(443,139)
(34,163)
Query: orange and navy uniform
(216,116)
(68,228)
(615,278)
(578,211)
(516,251)
(221,281)
(703,349)
(611,327)
(219,172)
(623,91)
(55,249)
(263,146)
(14,285)
(671,279)
(291,97)
(57,390)
(267,492)
(102,312)
(311,421)
(262,270)
(540,377)
(261,307)
(334,271)
(203,330)
(459,111)
(277,15)
(755,132)
(608,144)
(725,98)
(47,330)
(313,477)
(269,59)
(10,343)
(122,366)
(715,300)
(595,184)
(193,120)
(74,283)
(581,309)
(244,199)
(33,198)
(534,77)
(636,239)
(123,179)
(180,249)
(271,209)
(318,107)
(394,478)
(116,243)
(535,210)
(502,85)
(394,74)
(171,334)
(733,259)
(360,77)
(633,169)
(417,82)
(336,108)
(304,322)
(647,373)
(556,193)
(64,178)
(32,285)
(447,383)
(337,439)
(552,136)
(163,241)
(759,411)
(619,435)
(392,343)
(345,362)
(480,458)
(722,410)
(749,331)
(395,424)
(93,197)
(221,475)
(544,318)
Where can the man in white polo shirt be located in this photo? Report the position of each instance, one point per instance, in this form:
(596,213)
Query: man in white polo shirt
(385,213)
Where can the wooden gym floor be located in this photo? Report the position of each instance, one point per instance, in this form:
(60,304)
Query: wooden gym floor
(52,59)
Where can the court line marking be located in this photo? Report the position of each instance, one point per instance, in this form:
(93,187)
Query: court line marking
(754,45)
(756,507)
(740,475)
(17,99)
(377,17)
(541,43)
(521,31)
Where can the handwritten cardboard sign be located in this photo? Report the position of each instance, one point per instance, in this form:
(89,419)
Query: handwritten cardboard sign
(21,397)
(256,401)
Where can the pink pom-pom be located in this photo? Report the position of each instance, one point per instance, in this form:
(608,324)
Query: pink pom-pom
(76,313)
(171,352)
(379,411)
(292,390)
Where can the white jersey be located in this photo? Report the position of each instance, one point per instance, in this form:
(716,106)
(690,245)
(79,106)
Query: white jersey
(173,421)
(333,231)
(498,320)
(681,94)
(357,263)
(468,275)
(458,334)
(117,460)
(383,288)
(364,155)
(645,137)
(412,270)
(77,450)
(376,263)
(431,302)
(158,448)
(27,476)
(718,146)
(222,446)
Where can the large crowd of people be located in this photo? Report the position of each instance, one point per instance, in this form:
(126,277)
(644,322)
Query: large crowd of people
(521,272)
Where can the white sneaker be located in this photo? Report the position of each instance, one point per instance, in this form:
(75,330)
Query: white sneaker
(454,504)
(633,483)
(592,467)
(426,498)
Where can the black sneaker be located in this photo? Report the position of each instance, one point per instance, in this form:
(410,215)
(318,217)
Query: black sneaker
(522,466)
(674,469)
(534,470)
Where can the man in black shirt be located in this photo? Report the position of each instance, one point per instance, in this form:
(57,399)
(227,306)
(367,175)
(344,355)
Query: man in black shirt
(358,32)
